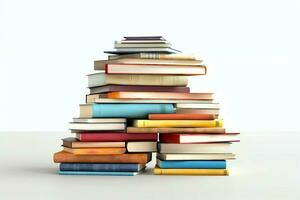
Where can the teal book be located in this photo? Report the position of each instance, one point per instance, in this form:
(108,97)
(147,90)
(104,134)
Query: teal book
(191,164)
(130,110)
(97,173)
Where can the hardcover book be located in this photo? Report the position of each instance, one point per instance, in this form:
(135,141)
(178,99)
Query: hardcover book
(97,126)
(101,167)
(75,143)
(175,130)
(200,156)
(159,56)
(194,148)
(141,146)
(115,137)
(181,116)
(97,173)
(203,172)
(96,151)
(177,123)
(194,164)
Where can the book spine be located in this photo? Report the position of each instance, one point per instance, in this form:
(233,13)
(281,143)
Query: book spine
(99,167)
(177,123)
(203,164)
(182,116)
(130,110)
(91,173)
(207,172)
(112,137)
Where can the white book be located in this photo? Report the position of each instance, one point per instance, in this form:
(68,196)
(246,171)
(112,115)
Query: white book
(194,148)
(99,120)
(96,126)
(198,105)
(141,146)
(202,156)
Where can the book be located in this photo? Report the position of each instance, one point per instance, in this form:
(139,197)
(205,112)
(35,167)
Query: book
(115,137)
(97,126)
(132,88)
(159,95)
(194,148)
(175,130)
(65,157)
(141,146)
(120,51)
(142,42)
(100,64)
(97,173)
(149,38)
(96,151)
(123,110)
(100,79)
(181,116)
(123,68)
(119,45)
(197,111)
(101,167)
(191,164)
(99,120)
(98,99)
(206,172)
(177,123)
(198,138)
(201,156)
(198,105)
(158,56)
(75,143)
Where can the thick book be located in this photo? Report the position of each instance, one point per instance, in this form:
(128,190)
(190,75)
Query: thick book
(115,137)
(100,79)
(132,88)
(200,156)
(65,157)
(198,138)
(123,68)
(194,148)
(141,146)
(177,116)
(99,120)
(97,126)
(157,56)
(97,173)
(197,111)
(177,123)
(202,172)
(159,95)
(100,64)
(97,99)
(75,143)
(123,110)
(191,164)
(175,130)
(96,151)
(101,167)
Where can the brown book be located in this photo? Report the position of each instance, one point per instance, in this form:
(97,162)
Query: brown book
(131,88)
(158,95)
(182,116)
(175,130)
(75,143)
(96,151)
(65,157)
(197,111)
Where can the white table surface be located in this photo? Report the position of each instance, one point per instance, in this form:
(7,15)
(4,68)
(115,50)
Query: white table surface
(267,167)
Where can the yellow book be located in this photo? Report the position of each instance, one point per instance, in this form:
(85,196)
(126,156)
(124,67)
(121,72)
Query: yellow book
(177,123)
(203,172)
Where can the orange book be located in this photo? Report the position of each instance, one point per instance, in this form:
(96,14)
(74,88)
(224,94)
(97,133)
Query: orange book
(182,116)
(159,95)
(65,157)
(197,111)
(96,151)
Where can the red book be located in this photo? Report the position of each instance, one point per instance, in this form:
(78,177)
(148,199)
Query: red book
(198,138)
(115,137)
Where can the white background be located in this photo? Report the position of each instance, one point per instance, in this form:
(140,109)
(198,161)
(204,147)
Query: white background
(251,49)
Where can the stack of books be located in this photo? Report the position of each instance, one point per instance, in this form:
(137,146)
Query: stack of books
(140,91)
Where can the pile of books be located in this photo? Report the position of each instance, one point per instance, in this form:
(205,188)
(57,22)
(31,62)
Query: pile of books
(141,91)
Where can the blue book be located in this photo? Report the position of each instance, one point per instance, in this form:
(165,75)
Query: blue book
(101,167)
(131,110)
(192,164)
(97,173)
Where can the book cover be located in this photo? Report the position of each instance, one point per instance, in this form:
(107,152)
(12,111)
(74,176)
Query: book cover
(97,173)
(203,172)
(177,123)
(123,110)
(115,137)
(181,116)
(194,164)
(175,130)
(65,157)
(101,167)
(194,148)
(96,151)
(75,143)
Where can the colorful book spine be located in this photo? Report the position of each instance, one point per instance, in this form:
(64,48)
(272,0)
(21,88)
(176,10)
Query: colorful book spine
(129,110)
(203,172)
(187,164)
(100,167)
(177,123)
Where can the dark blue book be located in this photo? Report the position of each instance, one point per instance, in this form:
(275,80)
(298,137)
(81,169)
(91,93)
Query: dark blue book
(192,164)
(97,173)
(101,167)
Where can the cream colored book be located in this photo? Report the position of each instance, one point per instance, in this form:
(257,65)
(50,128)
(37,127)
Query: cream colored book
(99,120)
(198,105)
(194,148)
(99,79)
(96,126)
(202,156)
(155,56)
(141,146)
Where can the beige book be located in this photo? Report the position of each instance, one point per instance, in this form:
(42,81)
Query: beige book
(141,146)
(99,120)
(194,148)
(198,105)
(99,79)
(96,126)
(155,56)
(197,111)
(202,156)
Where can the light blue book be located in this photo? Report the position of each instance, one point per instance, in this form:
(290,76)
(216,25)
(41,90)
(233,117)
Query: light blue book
(97,173)
(191,164)
(130,110)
